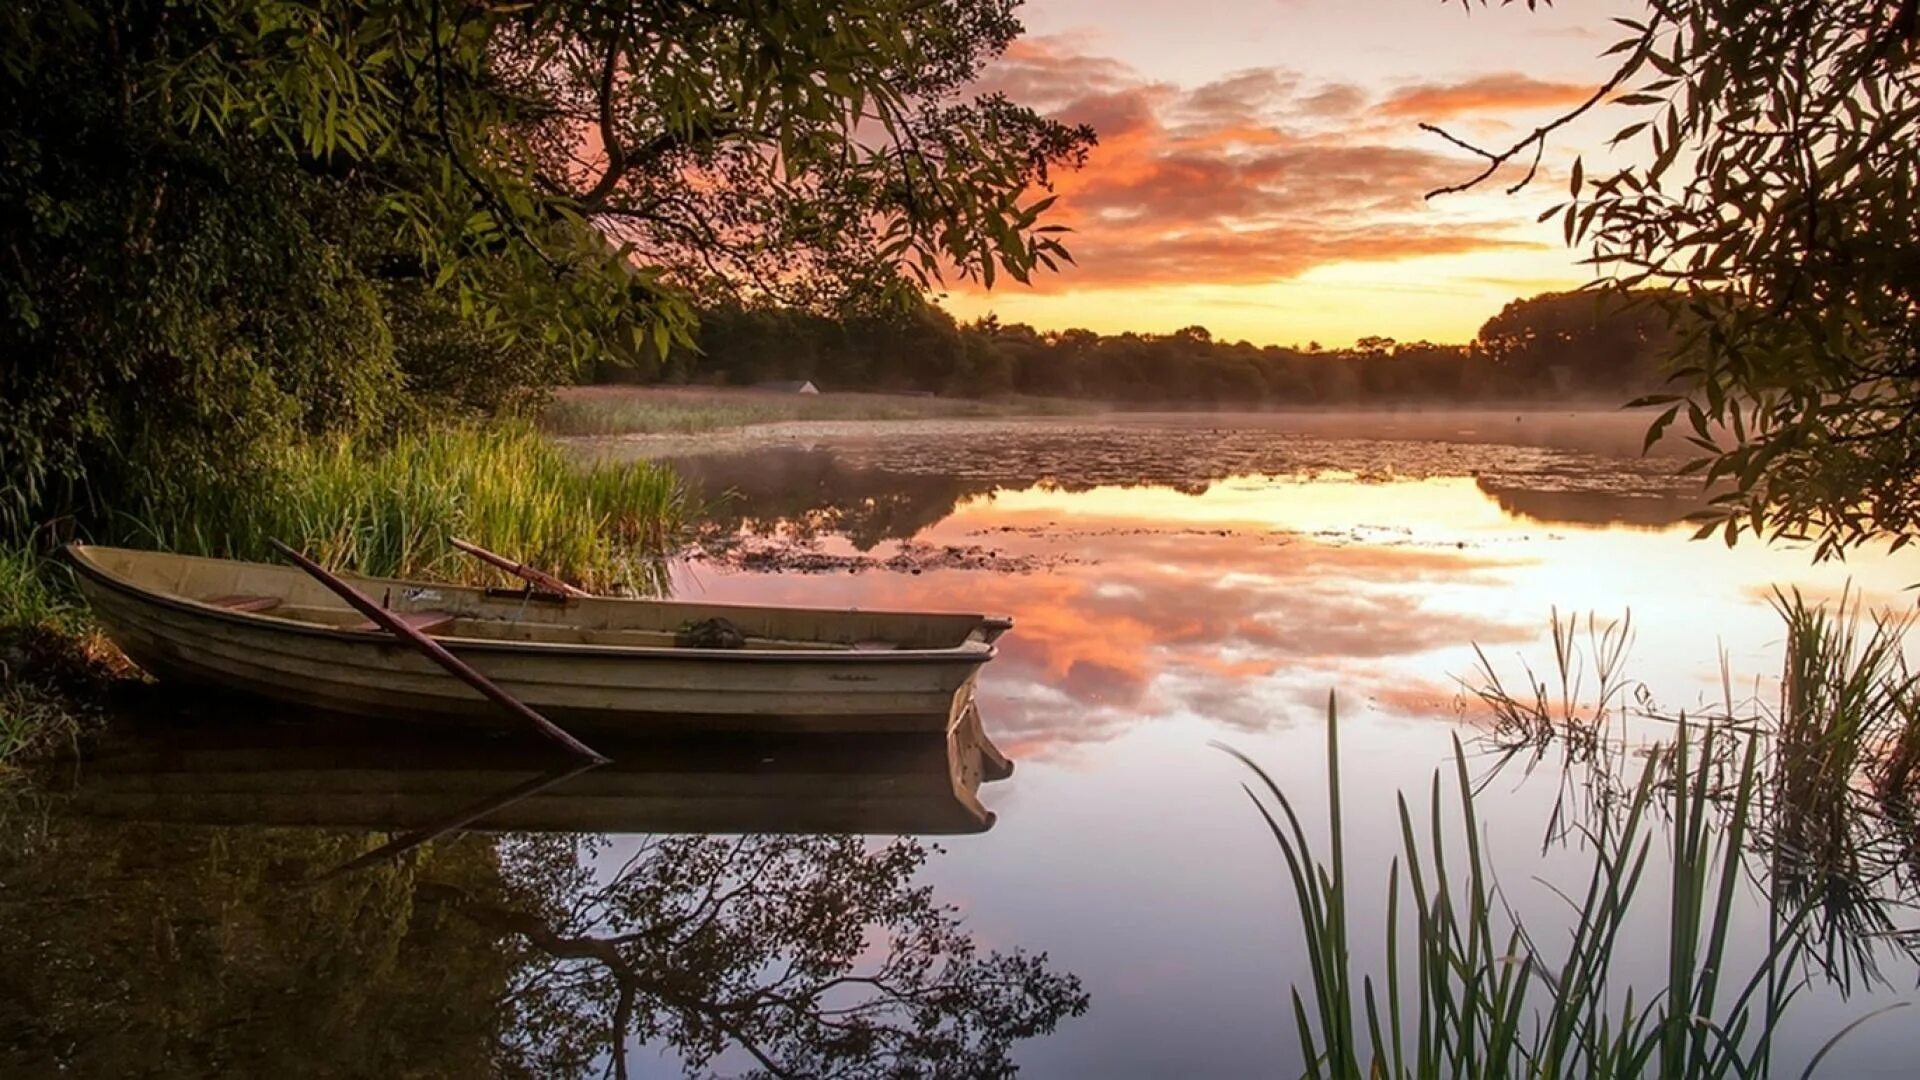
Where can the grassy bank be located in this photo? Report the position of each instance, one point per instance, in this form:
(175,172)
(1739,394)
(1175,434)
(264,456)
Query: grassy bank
(55,668)
(624,410)
(386,509)
(391,509)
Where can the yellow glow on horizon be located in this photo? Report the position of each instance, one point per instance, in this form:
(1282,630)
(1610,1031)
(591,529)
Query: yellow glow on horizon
(1443,299)
(1453,504)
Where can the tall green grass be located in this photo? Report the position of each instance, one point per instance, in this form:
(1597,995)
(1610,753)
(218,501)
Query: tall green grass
(390,509)
(1846,702)
(1473,992)
(29,595)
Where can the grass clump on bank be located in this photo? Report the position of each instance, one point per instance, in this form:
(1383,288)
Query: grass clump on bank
(55,667)
(642,411)
(390,509)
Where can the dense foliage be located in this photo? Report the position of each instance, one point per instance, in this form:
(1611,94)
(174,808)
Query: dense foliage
(234,223)
(1771,185)
(1555,346)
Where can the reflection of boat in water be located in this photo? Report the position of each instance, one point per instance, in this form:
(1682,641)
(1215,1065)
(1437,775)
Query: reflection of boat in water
(590,663)
(292,776)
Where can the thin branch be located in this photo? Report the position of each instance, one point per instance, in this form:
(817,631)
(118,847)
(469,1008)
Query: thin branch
(1537,140)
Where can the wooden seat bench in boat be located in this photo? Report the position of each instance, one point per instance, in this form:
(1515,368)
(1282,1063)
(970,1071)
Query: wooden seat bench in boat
(243,602)
(424,621)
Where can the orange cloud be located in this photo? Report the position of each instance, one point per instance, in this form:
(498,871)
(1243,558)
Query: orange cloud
(1489,93)
(1261,175)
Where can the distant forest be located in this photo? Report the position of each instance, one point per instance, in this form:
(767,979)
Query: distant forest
(1556,345)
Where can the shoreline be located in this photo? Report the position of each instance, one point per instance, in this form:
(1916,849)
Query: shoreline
(1584,427)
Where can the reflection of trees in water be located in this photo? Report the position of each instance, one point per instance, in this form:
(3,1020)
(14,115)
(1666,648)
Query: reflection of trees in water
(893,489)
(1639,510)
(133,948)
(806,494)
(808,956)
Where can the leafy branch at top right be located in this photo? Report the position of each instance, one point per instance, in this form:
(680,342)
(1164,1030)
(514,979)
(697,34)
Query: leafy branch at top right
(1768,203)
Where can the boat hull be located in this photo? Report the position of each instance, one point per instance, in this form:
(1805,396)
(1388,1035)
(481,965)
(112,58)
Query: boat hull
(585,687)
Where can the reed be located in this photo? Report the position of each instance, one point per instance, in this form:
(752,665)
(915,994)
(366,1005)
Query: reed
(1846,697)
(1838,747)
(1471,992)
(391,509)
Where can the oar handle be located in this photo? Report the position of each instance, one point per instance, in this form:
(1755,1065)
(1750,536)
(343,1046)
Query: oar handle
(530,574)
(434,651)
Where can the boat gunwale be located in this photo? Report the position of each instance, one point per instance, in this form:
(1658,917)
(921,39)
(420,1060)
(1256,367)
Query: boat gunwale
(970,651)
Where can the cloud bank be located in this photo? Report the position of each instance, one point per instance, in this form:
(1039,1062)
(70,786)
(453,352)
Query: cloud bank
(1261,175)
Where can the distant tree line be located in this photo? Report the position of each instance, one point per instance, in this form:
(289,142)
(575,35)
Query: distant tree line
(1556,345)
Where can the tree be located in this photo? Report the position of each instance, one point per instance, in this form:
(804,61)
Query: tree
(1774,207)
(1578,342)
(232,222)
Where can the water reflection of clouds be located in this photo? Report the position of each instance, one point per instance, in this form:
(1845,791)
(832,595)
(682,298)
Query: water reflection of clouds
(1236,626)
(1239,599)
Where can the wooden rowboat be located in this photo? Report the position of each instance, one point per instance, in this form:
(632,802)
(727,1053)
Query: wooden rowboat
(588,662)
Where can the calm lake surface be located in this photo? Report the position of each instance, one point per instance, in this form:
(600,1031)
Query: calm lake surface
(1175,582)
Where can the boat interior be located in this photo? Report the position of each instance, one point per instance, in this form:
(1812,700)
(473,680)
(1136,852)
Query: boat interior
(524,614)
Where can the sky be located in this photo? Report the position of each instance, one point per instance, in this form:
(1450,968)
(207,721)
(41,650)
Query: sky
(1261,171)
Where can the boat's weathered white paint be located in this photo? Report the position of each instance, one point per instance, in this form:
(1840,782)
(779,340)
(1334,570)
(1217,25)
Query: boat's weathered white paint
(593,663)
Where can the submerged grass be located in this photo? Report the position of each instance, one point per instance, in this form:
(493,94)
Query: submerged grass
(1838,747)
(391,509)
(1482,997)
(643,411)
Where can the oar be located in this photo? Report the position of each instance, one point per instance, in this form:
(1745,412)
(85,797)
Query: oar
(435,652)
(529,574)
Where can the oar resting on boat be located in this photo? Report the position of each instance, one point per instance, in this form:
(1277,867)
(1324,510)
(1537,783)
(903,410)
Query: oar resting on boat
(432,650)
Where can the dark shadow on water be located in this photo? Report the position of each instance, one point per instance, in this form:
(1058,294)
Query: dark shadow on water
(283,900)
(335,773)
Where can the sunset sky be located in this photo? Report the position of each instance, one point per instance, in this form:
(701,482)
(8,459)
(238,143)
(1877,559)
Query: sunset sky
(1261,171)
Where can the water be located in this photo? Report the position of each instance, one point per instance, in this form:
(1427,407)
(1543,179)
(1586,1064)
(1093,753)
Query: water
(1174,580)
